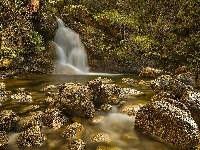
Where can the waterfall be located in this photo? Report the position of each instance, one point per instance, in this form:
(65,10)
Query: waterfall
(70,51)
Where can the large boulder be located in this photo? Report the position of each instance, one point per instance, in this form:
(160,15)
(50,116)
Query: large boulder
(76,100)
(3,140)
(169,121)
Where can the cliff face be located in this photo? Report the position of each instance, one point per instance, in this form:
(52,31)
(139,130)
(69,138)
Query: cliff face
(119,36)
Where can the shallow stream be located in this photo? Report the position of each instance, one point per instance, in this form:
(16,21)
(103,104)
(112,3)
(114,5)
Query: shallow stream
(120,127)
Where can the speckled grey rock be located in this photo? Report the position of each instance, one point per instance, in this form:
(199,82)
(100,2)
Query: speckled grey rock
(54,118)
(3,140)
(75,100)
(73,131)
(188,78)
(192,101)
(8,120)
(78,144)
(28,121)
(100,137)
(32,137)
(166,83)
(22,96)
(150,72)
(168,122)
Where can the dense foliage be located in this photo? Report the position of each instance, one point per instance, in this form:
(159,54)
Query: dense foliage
(124,33)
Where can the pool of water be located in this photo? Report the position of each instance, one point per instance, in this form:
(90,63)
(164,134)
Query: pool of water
(120,127)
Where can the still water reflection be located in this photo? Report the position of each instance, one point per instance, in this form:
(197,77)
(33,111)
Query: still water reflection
(120,127)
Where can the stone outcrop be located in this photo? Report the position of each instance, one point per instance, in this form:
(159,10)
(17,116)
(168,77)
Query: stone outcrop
(8,120)
(169,121)
(32,137)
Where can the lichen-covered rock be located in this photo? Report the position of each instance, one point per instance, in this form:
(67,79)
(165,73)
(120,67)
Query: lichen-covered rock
(168,122)
(22,96)
(150,72)
(73,131)
(78,144)
(8,120)
(106,107)
(162,95)
(110,93)
(29,121)
(131,109)
(128,80)
(100,137)
(2,86)
(192,101)
(187,78)
(54,118)
(3,140)
(32,137)
(95,87)
(166,83)
(76,100)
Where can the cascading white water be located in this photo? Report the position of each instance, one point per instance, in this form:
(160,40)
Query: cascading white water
(70,51)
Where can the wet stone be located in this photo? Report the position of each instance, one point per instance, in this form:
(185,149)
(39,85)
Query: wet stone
(8,120)
(54,118)
(151,72)
(3,96)
(32,137)
(162,95)
(22,96)
(78,144)
(192,101)
(187,78)
(3,140)
(2,86)
(100,138)
(167,122)
(73,131)
(27,122)
(76,100)
(130,109)
(95,87)
(106,107)
(128,80)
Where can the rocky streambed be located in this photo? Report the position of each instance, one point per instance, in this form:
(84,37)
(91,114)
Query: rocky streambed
(102,113)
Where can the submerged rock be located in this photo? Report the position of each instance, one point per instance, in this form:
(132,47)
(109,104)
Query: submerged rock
(106,107)
(54,118)
(130,109)
(167,122)
(32,137)
(73,131)
(192,101)
(8,120)
(3,140)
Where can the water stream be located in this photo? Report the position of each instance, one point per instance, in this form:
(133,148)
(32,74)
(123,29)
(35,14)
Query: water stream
(71,54)
(120,127)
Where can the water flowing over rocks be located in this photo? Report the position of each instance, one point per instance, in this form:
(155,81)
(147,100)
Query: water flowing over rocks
(167,122)
(54,118)
(32,137)
(8,120)
(3,140)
